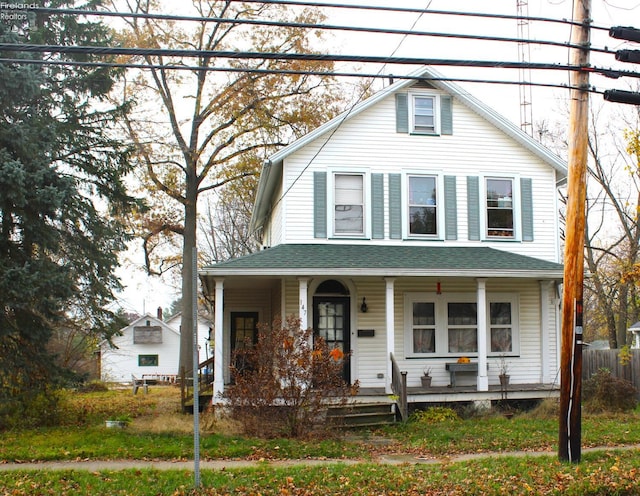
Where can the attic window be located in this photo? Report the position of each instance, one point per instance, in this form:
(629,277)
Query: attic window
(424,114)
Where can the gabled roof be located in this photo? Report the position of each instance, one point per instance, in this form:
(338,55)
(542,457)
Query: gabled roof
(140,321)
(272,168)
(385,260)
(154,321)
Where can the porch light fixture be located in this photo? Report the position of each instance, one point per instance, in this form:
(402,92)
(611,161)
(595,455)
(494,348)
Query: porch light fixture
(364,307)
(438,288)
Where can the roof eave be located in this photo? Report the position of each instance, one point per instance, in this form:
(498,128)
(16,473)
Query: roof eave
(386,272)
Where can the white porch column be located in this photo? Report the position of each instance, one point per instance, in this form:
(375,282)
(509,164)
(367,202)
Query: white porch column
(483,378)
(218,349)
(390,328)
(303,298)
(545,288)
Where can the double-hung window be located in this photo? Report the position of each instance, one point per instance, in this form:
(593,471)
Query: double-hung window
(462,327)
(424,114)
(447,325)
(423,327)
(501,326)
(348,205)
(422,196)
(499,195)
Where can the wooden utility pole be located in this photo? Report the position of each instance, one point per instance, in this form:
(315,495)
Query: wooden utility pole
(571,336)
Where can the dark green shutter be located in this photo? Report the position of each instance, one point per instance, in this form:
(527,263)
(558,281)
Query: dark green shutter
(395,206)
(473,207)
(450,208)
(402,113)
(446,115)
(320,204)
(377,206)
(526,208)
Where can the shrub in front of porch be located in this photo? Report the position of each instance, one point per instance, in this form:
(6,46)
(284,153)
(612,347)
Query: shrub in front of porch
(604,392)
(286,382)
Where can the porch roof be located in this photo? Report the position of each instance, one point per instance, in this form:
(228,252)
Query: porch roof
(385,260)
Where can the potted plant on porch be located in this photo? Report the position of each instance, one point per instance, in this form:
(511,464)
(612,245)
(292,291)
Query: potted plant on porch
(426,377)
(504,369)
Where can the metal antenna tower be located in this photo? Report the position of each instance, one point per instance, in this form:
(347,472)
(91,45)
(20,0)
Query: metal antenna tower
(524,57)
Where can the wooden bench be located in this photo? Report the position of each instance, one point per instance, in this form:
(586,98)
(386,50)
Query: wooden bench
(455,367)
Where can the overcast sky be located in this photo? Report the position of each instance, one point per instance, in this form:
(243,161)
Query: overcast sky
(505,98)
(146,294)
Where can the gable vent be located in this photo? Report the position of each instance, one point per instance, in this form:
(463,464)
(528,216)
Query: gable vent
(423,83)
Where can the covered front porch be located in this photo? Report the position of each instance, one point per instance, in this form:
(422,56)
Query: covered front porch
(372,406)
(445,394)
(378,288)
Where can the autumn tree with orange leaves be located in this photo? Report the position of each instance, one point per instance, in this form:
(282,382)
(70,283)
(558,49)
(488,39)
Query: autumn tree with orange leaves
(612,250)
(208,128)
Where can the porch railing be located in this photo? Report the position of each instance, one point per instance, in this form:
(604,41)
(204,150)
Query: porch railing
(205,378)
(399,388)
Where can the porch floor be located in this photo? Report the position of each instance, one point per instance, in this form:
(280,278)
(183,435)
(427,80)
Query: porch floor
(446,394)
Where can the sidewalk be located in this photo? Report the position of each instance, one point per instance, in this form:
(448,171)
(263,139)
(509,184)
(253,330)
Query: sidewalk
(396,459)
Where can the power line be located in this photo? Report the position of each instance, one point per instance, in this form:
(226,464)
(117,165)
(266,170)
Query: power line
(329,27)
(408,10)
(291,72)
(309,57)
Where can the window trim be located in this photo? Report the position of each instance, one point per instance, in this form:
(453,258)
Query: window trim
(436,113)
(440,205)
(143,357)
(442,327)
(366,202)
(516,208)
(514,300)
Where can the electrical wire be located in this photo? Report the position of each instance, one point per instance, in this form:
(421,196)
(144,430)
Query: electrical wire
(290,72)
(309,57)
(333,27)
(327,27)
(374,8)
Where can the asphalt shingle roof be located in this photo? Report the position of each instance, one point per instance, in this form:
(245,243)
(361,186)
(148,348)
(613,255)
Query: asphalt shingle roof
(373,259)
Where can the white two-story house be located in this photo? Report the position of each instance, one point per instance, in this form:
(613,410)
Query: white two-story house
(420,225)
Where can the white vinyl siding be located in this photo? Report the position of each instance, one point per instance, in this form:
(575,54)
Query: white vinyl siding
(370,353)
(524,361)
(368,143)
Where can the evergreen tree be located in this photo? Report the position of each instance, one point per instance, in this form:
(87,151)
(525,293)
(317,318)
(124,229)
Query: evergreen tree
(62,201)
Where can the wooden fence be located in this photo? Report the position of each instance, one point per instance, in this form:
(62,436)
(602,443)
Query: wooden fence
(593,360)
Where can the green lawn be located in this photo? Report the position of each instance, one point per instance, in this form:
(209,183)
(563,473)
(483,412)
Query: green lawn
(159,432)
(611,473)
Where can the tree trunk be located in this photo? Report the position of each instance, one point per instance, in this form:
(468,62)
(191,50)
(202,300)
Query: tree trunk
(623,302)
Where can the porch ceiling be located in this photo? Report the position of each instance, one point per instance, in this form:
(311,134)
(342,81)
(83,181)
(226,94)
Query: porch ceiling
(385,260)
